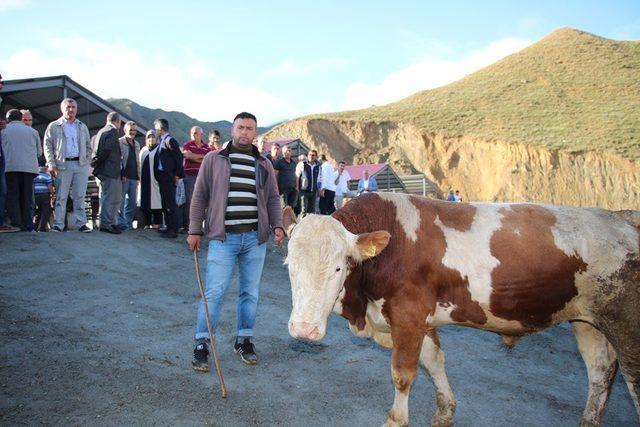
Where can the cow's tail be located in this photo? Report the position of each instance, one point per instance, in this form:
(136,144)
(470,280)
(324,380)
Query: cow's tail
(632,217)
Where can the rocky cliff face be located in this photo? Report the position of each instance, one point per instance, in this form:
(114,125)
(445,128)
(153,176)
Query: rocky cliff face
(481,170)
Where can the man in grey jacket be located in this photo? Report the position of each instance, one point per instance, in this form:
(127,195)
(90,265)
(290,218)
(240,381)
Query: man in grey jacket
(21,147)
(67,149)
(237,195)
(107,167)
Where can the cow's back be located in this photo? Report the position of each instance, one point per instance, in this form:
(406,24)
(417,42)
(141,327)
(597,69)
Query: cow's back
(523,264)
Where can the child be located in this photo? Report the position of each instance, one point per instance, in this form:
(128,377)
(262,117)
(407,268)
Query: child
(43,191)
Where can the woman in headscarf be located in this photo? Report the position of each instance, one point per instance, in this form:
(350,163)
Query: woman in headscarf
(150,202)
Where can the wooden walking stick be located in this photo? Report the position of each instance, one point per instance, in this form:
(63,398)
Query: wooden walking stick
(212,342)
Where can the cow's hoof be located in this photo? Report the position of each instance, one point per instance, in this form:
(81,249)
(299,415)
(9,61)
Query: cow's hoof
(392,422)
(440,421)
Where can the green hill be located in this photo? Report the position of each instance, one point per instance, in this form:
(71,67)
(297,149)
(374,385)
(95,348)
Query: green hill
(179,123)
(571,91)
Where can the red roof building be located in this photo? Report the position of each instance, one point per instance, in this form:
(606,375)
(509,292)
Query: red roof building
(387,179)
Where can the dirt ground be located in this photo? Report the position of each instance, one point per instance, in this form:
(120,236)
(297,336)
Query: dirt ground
(97,330)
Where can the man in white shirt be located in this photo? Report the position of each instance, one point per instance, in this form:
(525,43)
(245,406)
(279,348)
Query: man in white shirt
(327,187)
(342,185)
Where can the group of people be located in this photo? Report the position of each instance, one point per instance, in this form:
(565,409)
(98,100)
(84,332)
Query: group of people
(136,182)
(312,184)
(454,196)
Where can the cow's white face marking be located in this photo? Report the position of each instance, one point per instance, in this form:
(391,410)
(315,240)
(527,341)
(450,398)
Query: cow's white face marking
(406,213)
(317,260)
(475,265)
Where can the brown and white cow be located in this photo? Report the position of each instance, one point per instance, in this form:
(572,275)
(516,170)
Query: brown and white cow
(397,266)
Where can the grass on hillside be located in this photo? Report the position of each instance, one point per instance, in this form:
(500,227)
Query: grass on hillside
(570,91)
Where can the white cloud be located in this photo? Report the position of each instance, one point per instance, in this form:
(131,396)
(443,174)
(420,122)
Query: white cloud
(13,4)
(118,71)
(428,73)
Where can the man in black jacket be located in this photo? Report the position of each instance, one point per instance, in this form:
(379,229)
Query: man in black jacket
(168,170)
(107,167)
(309,193)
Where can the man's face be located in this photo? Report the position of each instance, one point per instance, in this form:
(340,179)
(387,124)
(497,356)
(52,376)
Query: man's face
(117,124)
(275,150)
(196,134)
(313,157)
(243,132)
(69,110)
(214,141)
(366,174)
(341,167)
(286,152)
(131,131)
(27,119)
(158,128)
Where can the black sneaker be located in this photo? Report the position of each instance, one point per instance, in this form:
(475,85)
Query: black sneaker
(200,360)
(246,350)
(84,229)
(56,229)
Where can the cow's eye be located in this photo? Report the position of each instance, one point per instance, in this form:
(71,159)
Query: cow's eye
(338,269)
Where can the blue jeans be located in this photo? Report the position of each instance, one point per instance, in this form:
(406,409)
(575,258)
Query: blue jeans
(244,249)
(128,203)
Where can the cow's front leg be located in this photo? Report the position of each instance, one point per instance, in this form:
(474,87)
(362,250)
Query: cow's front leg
(404,367)
(432,358)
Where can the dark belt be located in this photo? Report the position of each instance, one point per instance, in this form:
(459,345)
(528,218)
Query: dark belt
(73,159)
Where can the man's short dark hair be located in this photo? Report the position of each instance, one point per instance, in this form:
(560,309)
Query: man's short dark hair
(342,162)
(245,115)
(214,132)
(14,114)
(163,123)
(323,157)
(313,151)
(113,117)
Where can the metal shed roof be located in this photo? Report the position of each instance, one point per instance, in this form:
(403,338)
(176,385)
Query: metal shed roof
(42,96)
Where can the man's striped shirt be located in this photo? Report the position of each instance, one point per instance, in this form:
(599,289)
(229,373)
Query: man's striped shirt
(242,204)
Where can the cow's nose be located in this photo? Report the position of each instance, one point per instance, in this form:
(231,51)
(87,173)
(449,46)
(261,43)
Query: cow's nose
(304,331)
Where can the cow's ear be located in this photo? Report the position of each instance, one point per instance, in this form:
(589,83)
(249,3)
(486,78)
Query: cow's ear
(289,220)
(371,244)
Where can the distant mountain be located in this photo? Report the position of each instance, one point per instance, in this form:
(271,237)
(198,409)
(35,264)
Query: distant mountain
(179,123)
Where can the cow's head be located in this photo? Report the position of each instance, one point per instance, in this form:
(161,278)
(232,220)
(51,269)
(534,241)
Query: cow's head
(322,253)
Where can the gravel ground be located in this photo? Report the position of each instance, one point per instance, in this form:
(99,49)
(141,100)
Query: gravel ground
(97,330)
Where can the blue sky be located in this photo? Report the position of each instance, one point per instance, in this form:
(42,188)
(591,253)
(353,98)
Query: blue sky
(281,59)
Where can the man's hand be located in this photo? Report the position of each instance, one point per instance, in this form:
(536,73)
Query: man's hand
(175,180)
(53,171)
(194,242)
(321,192)
(279,236)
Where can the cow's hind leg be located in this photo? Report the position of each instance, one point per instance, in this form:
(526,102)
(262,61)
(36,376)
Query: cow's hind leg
(618,317)
(404,367)
(432,358)
(600,359)
(626,341)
